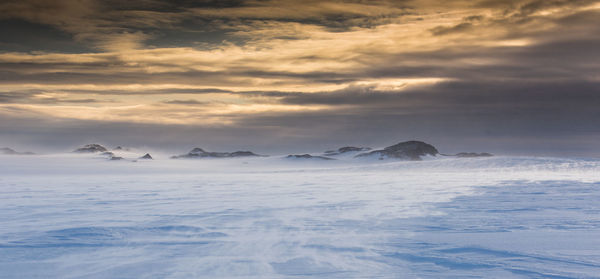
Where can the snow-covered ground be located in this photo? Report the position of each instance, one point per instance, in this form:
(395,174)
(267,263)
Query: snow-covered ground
(83,216)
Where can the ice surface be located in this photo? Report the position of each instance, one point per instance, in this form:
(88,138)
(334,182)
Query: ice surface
(83,216)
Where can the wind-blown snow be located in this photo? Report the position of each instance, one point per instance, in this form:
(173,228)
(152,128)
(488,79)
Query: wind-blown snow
(83,216)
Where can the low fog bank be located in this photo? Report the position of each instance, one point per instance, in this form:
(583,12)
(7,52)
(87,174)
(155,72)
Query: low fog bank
(504,167)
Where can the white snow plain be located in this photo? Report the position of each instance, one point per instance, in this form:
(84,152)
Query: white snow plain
(83,216)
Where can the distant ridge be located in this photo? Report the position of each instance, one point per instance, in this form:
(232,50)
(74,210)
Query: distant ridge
(10,151)
(308,156)
(91,148)
(201,153)
(408,150)
(346,149)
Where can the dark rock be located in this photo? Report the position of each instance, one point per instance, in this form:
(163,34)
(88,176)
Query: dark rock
(147,156)
(115,158)
(9,151)
(91,148)
(201,153)
(473,154)
(242,154)
(408,150)
(346,149)
(118,148)
(108,153)
(308,156)
(352,149)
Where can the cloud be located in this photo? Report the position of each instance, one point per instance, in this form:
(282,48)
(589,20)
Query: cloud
(185,102)
(461,27)
(301,71)
(90,21)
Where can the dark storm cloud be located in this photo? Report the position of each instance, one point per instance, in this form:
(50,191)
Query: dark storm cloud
(156,21)
(20,35)
(171,5)
(108,24)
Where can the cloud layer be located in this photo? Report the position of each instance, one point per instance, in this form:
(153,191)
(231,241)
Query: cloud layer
(520,76)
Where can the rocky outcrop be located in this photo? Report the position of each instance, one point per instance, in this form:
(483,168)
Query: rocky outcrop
(91,148)
(242,154)
(346,149)
(111,156)
(9,151)
(147,157)
(408,150)
(308,156)
(201,153)
(473,155)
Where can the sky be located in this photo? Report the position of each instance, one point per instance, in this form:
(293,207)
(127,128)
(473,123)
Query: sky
(504,76)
